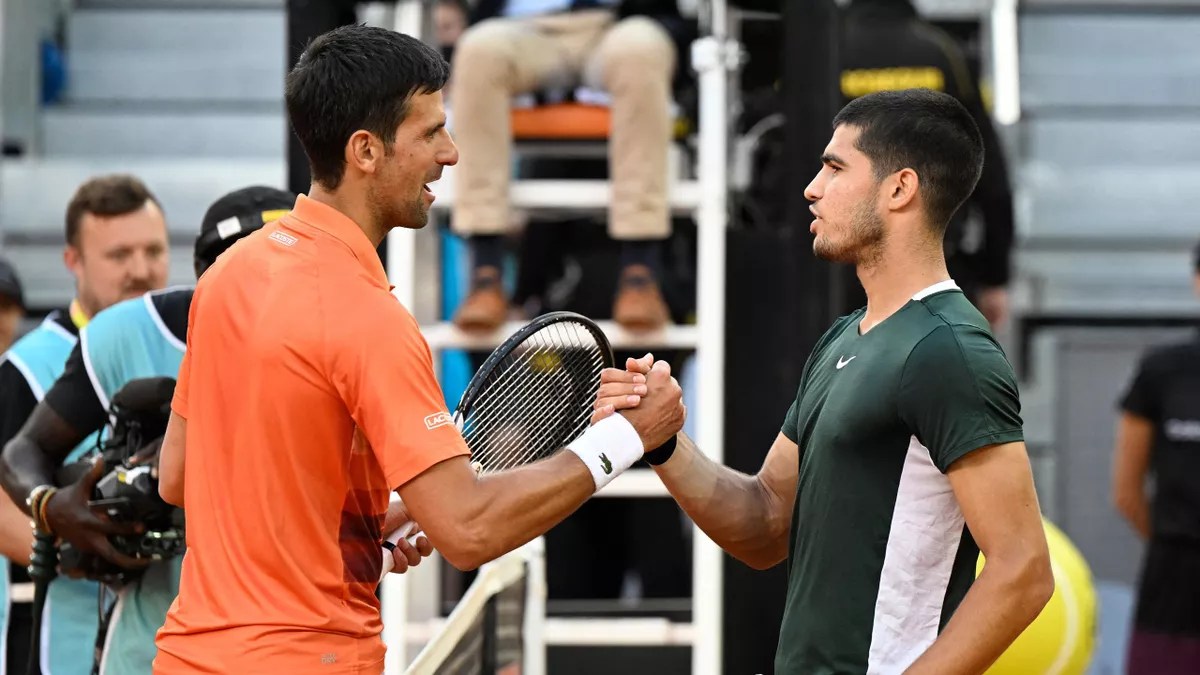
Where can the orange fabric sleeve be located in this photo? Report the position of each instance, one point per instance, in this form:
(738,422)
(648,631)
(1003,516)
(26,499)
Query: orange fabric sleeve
(383,371)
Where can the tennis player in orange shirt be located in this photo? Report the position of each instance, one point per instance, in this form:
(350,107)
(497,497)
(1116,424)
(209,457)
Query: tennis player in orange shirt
(307,396)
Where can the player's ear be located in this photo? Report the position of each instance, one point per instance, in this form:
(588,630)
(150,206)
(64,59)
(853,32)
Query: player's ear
(363,151)
(902,189)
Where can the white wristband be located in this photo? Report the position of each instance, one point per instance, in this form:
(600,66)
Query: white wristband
(608,447)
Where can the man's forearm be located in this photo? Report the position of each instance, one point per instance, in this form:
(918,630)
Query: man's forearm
(1136,510)
(472,520)
(1003,601)
(735,510)
(23,466)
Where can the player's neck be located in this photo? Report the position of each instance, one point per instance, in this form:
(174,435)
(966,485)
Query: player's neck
(353,206)
(895,276)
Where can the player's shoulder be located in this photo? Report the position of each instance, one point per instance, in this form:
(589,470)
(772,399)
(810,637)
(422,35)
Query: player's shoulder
(1172,356)
(119,314)
(947,324)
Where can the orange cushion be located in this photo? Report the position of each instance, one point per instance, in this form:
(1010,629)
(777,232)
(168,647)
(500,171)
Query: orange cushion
(561,121)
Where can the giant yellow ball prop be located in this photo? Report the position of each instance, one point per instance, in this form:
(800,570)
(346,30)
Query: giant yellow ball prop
(1061,639)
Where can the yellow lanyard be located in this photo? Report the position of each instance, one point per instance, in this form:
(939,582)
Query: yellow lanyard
(78,317)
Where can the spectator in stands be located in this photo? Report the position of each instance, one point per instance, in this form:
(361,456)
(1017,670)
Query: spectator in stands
(522,46)
(12,305)
(142,337)
(888,46)
(1158,434)
(449,22)
(116,249)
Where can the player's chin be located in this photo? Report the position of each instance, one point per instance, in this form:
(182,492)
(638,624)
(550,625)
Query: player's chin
(825,249)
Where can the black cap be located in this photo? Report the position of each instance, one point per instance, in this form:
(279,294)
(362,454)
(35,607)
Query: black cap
(10,284)
(236,215)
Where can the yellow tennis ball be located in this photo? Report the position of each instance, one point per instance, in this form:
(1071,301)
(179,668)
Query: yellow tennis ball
(545,362)
(1061,639)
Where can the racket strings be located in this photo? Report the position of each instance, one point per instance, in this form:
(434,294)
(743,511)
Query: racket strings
(560,407)
(546,438)
(541,407)
(513,366)
(521,448)
(574,418)
(505,389)
(538,400)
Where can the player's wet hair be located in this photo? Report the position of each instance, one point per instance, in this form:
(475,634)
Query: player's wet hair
(351,78)
(926,131)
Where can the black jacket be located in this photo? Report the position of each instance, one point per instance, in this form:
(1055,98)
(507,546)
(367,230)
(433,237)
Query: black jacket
(888,34)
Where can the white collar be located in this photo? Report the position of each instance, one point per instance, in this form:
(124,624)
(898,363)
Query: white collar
(940,286)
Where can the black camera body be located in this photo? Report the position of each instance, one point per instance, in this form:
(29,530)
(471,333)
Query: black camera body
(128,490)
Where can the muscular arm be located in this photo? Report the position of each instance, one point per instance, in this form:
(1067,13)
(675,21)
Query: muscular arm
(493,514)
(70,412)
(1135,437)
(994,488)
(170,461)
(29,459)
(500,512)
(748,516)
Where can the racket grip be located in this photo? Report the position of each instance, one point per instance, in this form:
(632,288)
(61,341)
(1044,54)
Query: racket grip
(390,543)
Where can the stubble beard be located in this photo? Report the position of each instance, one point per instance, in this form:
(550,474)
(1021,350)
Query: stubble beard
(863,242)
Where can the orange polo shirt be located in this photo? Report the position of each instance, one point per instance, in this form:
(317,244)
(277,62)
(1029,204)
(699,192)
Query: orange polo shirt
(310,396)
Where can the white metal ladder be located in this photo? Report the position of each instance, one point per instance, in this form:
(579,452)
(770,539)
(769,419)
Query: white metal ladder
(714,57)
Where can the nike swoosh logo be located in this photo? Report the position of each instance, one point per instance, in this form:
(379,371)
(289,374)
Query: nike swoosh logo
(842,364)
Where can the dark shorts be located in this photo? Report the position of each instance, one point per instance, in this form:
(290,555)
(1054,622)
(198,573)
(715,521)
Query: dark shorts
(1166,633)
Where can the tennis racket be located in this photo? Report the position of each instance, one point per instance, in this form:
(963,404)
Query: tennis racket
(532,396)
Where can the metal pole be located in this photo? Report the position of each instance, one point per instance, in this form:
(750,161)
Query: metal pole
(712,58)
(1006,62)
(401,263)
(534,662)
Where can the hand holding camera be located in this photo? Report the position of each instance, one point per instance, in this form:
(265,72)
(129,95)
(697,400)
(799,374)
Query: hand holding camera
(74,517)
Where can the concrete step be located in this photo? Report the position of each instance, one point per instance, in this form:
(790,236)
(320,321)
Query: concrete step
(1097,57)
(1126,205)
(1137,142)
(122,54)
(256,131)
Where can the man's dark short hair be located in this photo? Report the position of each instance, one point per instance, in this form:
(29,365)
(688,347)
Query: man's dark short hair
(1196,258)
(111,195)
(926,131)
(356,77)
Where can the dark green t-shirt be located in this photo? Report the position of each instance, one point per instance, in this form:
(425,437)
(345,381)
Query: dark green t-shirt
(880,553)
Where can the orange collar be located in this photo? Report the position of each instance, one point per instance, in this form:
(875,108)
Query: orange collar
(335,223)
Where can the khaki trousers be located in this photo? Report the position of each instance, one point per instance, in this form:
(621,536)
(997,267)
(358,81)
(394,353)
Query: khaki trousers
(633,60)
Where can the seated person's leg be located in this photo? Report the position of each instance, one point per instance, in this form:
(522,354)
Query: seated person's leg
(635,62)
(493,61)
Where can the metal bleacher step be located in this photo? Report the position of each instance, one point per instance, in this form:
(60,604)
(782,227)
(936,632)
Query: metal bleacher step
(580,632)
(635,483)
(187,52)
(232,131)
(445,335)
(559,195)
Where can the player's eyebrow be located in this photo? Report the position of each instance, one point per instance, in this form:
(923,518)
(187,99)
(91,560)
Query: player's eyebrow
(830,158)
